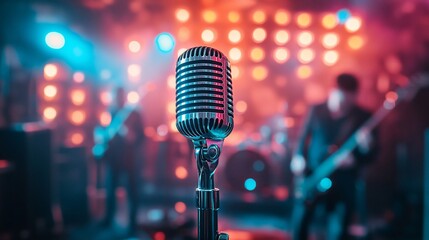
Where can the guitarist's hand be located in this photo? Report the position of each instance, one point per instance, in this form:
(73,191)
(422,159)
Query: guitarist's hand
(347,162)
(297,165)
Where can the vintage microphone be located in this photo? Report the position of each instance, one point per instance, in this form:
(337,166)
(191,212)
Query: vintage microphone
(204,114)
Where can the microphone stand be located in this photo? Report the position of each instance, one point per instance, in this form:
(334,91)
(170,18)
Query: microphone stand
(207,154)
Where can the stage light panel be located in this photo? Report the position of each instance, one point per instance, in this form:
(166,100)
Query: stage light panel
(306,55)
(330,40)
(234,17)
(50,91)
(259,17)
(77,96)
(234,36)
(355,42)
(50,71)
(353,24)
(234,54)
(77,117)
(209,16)
(330,57)
(208,35)
(305,38)
(49,113)
(281,55)
(329,21)
(303,20)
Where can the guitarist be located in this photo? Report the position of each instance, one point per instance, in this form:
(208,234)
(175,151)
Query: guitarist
(327,126)
(121,158)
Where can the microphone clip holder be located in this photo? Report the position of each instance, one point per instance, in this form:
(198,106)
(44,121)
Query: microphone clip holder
(207,154)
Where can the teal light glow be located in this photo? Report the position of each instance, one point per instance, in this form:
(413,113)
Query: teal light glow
(250,184)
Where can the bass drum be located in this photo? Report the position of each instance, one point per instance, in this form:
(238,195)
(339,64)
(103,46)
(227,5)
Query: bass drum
(248,170)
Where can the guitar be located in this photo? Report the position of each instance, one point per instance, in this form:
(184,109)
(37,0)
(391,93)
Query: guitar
(317,181)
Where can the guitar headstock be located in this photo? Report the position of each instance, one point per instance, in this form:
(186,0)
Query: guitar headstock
(408,92)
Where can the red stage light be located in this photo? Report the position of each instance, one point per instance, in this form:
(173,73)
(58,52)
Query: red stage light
(234,54)
(105,118)
(49,113)
(303,20)
(304,71)
(281,55)
(77,117)
(259,17)
(77,138)
(77,96)
(329,21)
(181,172)
(180,207)
(259,73)
(281,37)
(282,17)
(208,36)
(259,35)
(50,71)
(234,36)
(305,38)
(182,15)
(209,16)
(234,17)
(50,92)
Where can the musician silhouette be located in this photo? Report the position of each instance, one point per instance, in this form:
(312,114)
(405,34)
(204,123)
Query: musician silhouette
(326,127)
(122,158)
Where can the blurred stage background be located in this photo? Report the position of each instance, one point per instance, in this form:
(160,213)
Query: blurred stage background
(61,60)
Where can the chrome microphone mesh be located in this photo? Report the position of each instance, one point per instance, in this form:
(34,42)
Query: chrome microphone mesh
(204,103)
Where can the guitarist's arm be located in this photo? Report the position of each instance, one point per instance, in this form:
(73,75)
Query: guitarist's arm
(298,163)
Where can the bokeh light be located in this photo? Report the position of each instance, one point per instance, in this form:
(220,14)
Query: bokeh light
(78,117)
(234,54)
(355,42)
(303,20)
(106,97)
(134,46)
(78,77)
(330,40)
(329,21)
(209,16)
(304,71)
(183,34)
(343,15)
(55,40)
(305,38)
(330,57)
(257,54)
(234,17)
(50,91)
(259,17)
(181,172)
(105,118)
(241,106)
(49,113)
(134,71)
(50,71)
(353,24)
(165,42)
(77,96)
(282,17)
(208,35)
(259,35)
(250,184)
(259,73)
(180,207)
(133,97)
(281,37)
(306,55)
(234,36)
(235,72)
(281,55)
(77,138)
(182,15)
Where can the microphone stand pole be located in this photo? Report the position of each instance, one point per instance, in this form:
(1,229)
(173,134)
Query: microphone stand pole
(207,154)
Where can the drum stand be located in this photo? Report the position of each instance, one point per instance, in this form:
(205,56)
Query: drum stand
(207,154)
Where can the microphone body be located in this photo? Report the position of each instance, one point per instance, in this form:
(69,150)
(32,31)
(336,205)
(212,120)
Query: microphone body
(204,114)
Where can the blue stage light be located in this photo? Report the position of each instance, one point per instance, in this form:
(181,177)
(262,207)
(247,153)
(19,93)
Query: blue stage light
(324,185)
(55,40)
(250,184)
(343,15)
(165,42)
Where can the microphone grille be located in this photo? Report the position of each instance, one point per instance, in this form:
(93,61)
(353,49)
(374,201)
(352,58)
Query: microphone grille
(204,103)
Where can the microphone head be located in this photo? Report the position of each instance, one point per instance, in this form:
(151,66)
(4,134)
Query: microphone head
(204,105)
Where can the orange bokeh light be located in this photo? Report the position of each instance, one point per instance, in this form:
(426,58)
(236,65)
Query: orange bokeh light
(50,92)
(78,96)
(235,72)
(281,55)
(330,40)
(353,24)
(105,118)
(181,172)
(306,55)
(330,57)
(209,16)
(234,36)
(305,38)
(49,113)
(304,71)
(234,17)
(282,17)
(259,73)
(180,207)
(234,54)
(133,97)
(77,138)
(134,46)
(182,15)
(78,117)
(241,106)
(50,71)
(257,54)
(281,37)
(208,35)
(355,42)
(259,35)
(259,16)
(329,21)
(106,97)
(303,20)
